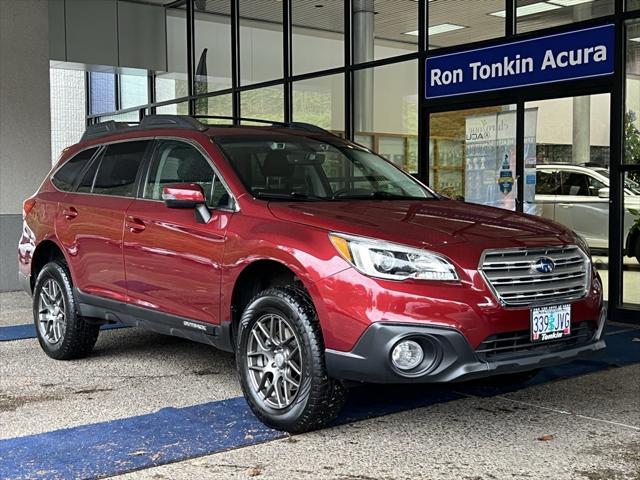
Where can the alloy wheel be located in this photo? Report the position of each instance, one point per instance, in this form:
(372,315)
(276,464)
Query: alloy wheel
(52,319)
(274,361)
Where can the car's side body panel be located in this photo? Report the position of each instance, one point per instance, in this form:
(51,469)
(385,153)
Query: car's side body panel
(173,264)
(91,239)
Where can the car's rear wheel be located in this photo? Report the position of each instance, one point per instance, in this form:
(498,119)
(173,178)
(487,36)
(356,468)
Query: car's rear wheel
(62,333)
(637,249)
(280,359)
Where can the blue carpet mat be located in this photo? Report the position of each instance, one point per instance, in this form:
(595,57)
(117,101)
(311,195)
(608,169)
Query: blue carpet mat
(176,434)
(23,332)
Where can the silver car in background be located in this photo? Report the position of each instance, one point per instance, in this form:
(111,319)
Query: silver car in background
(578,197)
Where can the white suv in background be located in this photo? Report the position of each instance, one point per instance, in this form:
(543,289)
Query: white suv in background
(578,197)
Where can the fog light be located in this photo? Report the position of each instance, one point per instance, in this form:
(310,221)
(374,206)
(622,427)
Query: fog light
(407,354)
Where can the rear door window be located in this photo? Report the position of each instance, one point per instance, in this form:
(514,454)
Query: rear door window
(574,184)
(66,177)
(119,168)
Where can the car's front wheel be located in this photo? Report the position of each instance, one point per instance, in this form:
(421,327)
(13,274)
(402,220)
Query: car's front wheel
(63,334)
(280,359)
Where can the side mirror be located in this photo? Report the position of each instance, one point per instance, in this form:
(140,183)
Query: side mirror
(183,195)
(603,192)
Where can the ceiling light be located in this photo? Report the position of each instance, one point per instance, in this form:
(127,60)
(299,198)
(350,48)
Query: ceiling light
(569,3)
(440,28)
(528,9)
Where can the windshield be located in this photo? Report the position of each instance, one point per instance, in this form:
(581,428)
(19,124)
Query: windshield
(633,187)
(290,167)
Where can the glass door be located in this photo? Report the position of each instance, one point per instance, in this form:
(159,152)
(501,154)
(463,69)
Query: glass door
(630,173)
(472,155)
(567,161)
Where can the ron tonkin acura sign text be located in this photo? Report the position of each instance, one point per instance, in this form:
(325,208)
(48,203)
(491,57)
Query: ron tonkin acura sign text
(564,56)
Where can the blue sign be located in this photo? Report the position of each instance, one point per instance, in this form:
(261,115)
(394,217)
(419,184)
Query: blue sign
(581,53)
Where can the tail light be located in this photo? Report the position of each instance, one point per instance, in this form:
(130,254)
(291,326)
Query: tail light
(27,206)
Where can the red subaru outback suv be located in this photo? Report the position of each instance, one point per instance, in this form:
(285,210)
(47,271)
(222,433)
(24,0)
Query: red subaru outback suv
(316,261)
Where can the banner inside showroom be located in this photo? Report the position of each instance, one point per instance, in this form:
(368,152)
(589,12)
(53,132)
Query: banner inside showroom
(490,158)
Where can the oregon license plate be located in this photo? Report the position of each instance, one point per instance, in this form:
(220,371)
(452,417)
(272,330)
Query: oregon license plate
(550,323)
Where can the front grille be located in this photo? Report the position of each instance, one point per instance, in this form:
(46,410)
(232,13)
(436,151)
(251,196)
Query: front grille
(515,282)
(519,343)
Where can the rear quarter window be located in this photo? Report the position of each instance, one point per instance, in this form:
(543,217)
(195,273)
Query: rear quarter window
(67,175)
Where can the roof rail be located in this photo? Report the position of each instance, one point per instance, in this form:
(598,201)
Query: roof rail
(172,121)
(185,122)
(309,127)
(99,129)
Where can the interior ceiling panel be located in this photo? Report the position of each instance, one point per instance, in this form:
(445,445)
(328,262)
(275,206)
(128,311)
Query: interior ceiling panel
(393,18)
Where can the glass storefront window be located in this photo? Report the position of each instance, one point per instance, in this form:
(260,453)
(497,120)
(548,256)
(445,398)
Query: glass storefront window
(220,105)
(386,111)
(260,41)
(174,109)
(134,89)
(317,35)
(535,14)
(320,101)
(263,103)
(631,239)
(456,22)
(383,29)
(212,46)
(102,92)
(632,100)
(472,155)
(121,117)
(632,4)
(173,83)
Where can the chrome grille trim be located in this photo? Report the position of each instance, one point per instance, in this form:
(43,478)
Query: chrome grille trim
(510,275)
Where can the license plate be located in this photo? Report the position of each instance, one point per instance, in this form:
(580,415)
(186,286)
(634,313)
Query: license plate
(550,323)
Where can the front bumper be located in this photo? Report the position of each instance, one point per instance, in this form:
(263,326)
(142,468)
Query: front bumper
(448,356)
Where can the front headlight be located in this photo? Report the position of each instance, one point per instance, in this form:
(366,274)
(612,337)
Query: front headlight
(382,259)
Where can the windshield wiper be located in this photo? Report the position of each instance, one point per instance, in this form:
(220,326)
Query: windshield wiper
(290,196)
(380,194)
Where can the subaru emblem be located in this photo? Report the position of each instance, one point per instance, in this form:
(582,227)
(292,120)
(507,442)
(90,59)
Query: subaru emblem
(544,265)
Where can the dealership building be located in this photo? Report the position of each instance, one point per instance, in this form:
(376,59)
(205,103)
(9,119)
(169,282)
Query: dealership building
(527,105)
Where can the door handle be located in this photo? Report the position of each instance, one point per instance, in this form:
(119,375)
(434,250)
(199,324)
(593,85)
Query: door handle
(70,213)
(135,225)
(566,205)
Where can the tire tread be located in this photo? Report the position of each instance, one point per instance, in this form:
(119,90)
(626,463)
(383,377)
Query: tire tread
(80,336)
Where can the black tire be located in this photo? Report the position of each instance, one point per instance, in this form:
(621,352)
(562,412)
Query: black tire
(78,337)
(637,249)
(319,398)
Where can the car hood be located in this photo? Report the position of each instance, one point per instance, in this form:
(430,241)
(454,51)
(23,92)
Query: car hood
(426,223)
